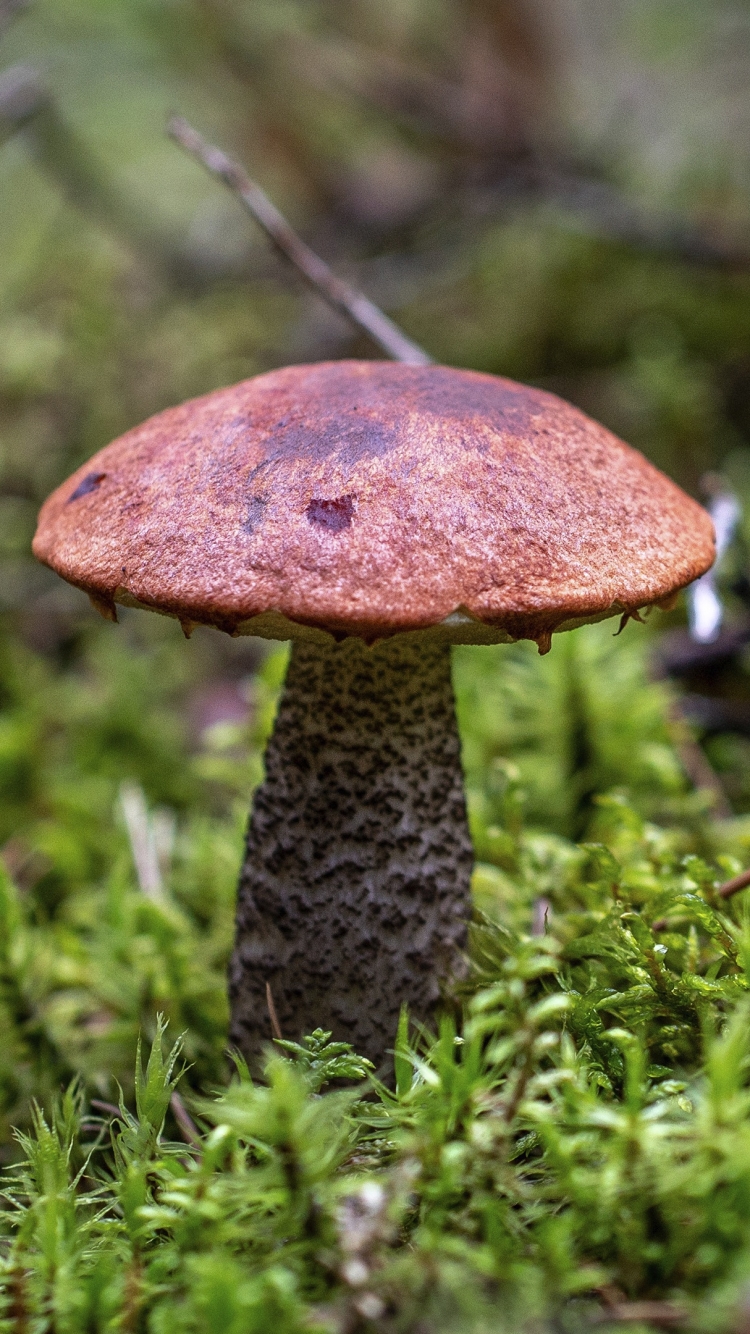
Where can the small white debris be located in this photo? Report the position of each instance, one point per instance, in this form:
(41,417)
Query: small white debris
(355,1273)
(370,1306)
(372,1196)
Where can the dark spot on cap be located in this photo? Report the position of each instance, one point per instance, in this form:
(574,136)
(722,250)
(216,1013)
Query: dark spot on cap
(334,515)
(255,511)
(90,482)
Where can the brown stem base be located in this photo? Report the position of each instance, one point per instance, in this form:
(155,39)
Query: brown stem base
(354,894)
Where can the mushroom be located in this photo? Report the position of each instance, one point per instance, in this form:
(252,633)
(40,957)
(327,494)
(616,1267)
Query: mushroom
(374,513)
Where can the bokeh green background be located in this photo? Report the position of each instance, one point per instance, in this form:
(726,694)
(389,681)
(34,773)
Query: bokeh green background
(558,192)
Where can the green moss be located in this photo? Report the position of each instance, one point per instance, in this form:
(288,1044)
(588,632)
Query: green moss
(581,1138)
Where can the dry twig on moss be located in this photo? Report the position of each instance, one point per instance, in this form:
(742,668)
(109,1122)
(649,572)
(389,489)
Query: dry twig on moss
(363,313)
(734,885)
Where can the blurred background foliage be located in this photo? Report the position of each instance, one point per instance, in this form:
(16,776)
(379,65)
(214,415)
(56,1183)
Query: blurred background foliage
(558,192)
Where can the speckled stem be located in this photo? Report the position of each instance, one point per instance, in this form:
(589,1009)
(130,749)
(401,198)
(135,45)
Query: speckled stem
(354,894)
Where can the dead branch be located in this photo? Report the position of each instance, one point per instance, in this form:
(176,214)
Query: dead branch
(734,885)
(272,1015)
(724,891)
(188,1128)
(427,103)
(10,10)
(602,210)
(695,762)
(27,107)
(664,1315)
(363,313)
(455,115)
(108,1107)
(22,98)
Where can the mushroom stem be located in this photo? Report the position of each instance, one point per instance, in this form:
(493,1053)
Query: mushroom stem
(355,891)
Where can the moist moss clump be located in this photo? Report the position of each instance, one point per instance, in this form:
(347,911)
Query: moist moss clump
(573,1150)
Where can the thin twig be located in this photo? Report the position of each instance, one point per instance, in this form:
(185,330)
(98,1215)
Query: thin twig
(10,10)
(733,886)
(696,763)
(27,107)
(724,891)
(22,97)
(451,113)
(275,1025)
(185,1121)
(665,1315)
(108,1107)
(363,313)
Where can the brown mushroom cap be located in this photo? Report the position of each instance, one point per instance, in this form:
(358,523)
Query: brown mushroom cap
(371,498)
